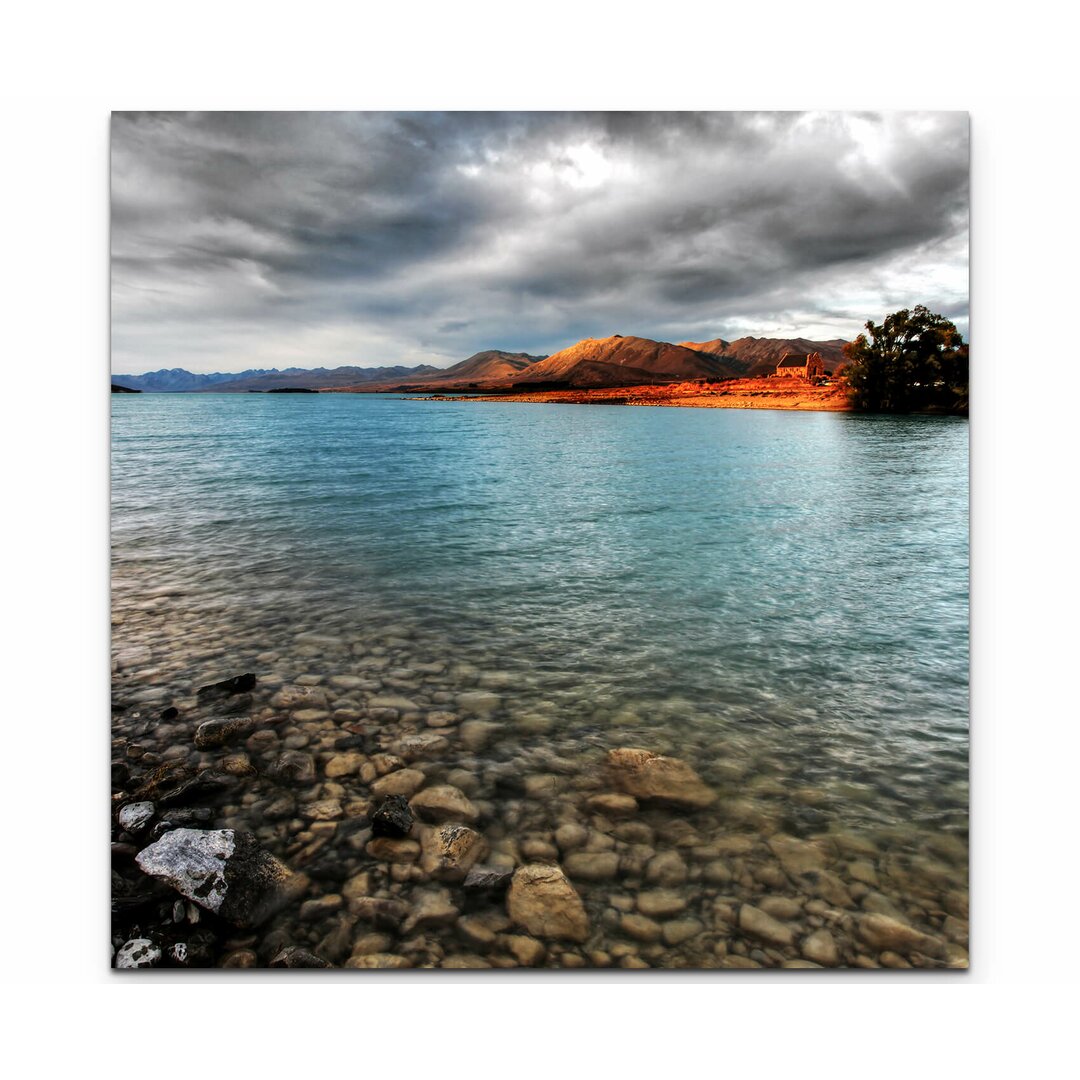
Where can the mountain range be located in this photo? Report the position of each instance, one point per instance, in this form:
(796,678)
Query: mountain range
(591,363)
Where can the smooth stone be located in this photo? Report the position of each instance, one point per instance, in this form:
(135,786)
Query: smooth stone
(346,764)
(592,866)
(444,803)
(660,902)
(393,849)
(887,934)
(781,907)
(526,950)
(571,836)
(613,804)
(393,701)
(480,702)
(292,697)
(404,782)
(820,947)
(427,744)
(676,931)
(756,922)
(640,927)
(378,961)
(650,776)
(667,868)
(796,856)
(543,902)
(431,909)
(476,734)
(320,907)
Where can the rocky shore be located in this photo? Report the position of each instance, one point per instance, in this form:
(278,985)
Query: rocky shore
(352,803)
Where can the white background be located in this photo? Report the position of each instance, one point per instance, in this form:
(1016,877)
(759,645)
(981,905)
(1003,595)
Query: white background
(66,66)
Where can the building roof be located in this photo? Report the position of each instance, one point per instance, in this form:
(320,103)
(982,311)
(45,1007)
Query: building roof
(792,360)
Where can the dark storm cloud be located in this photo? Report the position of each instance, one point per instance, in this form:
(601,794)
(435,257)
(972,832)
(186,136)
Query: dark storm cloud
(248,239)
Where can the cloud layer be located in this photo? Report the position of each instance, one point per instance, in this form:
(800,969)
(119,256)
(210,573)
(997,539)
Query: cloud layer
(317,239)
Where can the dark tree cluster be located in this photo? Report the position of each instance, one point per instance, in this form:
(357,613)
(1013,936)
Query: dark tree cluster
(915,360)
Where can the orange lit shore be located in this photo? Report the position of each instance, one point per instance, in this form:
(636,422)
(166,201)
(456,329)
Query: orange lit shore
(733,394)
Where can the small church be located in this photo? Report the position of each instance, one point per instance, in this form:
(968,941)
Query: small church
(802,367)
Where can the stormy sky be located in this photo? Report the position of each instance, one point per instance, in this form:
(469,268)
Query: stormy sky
(245,240)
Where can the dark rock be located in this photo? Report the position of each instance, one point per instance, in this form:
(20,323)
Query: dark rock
(234,706)
(121,773)
(206,785)
(238,684)
(293,956)
(171,713)
(393,817)
(224,871)
(350,742)
(488,878)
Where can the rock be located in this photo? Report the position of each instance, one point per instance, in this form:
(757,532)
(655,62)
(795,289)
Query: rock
(592,865)
(134,817)
(431,909)
(679,930)
(224,871)
(449,851)
(488,878)
(612,804)
(393,817)
(640,928)
(476,734)
(569,837)
(781,907)
(320,907)
(479,702)
(861,870)
(717,872)
(378,961)
(544,903)
(820,947)
(444,803)
(402,782)
(238,764)
(294,767)
(526,950)
(887,934)
(137,953)
(393,701)
(382,913)
(221,730)
(293,956)
(321,810)
(797,856)
(660,902)
(424,745)
(393,849)
(649,776)
(464,962)
(238,684)
(667,868)
(293,697)
(755,922)
(346,764)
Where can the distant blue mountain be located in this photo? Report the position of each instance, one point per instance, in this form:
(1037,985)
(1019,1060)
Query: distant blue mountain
(177,380)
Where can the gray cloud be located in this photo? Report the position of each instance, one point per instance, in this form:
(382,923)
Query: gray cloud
(269,239)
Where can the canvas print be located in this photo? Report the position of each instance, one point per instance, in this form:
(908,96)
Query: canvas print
(539,541)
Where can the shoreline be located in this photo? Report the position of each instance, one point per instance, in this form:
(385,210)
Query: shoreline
(735,394)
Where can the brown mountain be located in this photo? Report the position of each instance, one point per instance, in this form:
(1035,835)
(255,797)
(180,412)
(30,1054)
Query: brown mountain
(490,364)
(623,361)
(754,357)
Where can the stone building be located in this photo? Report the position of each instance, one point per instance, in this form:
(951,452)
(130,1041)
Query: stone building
(796,366)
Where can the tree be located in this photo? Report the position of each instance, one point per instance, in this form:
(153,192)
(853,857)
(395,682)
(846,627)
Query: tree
(914,360)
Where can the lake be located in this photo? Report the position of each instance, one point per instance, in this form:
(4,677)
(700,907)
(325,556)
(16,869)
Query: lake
(778,599)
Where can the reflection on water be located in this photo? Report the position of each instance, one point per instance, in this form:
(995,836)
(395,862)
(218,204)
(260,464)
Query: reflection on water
(777,599)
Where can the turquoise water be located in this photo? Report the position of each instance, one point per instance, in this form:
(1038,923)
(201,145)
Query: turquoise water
(784,590)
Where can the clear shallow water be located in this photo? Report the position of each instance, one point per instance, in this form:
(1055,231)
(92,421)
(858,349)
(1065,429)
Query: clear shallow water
(782,591)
